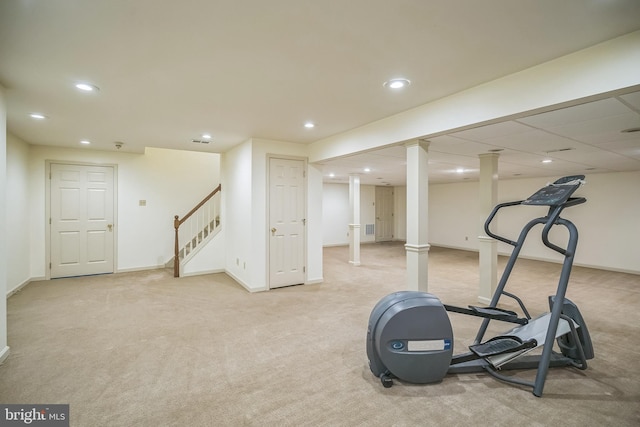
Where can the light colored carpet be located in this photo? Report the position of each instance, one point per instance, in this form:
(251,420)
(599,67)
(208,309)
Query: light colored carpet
(145,349)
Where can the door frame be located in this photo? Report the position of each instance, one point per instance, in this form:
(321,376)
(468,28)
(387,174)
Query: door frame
(268,215)
(47,209)
(378,190)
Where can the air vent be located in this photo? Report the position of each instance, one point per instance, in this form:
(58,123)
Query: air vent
(559,150)
(200,141)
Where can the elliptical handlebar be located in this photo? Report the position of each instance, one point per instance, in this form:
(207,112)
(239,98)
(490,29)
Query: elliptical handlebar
(557,196)
(492,216)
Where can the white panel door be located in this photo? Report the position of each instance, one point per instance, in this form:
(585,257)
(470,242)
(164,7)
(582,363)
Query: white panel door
(286,222)
(384,214)
(82,213)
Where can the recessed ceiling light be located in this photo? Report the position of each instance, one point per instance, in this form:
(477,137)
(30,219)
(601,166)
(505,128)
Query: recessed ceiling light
(37,116)
(85,142)
(396,83)
(367,169)
(460,170)
(547,161)
(309,125)
(331,175)
(86,87)
(206,136)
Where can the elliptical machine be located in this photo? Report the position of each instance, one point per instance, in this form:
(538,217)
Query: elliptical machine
(409,335)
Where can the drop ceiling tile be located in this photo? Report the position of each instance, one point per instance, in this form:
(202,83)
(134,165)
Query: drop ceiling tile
(632,99)
(492,131)
(537,141)
(466,148)
(598,131)
(508,170)
(454,160)
(626,148)
(602,159)
(581,113)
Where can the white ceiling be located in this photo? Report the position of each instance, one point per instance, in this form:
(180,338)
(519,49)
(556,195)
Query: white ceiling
(579,140)
(240,69)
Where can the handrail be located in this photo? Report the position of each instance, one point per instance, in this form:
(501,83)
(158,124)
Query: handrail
(199,205)
(177,222)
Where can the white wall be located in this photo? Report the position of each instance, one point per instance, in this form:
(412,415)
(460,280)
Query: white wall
(210,258)
(4,349)
(246,178)
(315,207)
(170,181)
(335,213)
(607,224)
(453,213)
(236,199)
(17,203)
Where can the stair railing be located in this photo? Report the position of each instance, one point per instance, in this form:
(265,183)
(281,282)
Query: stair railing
(201,221)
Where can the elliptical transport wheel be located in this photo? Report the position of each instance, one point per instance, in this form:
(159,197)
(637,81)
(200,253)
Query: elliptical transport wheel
(386,380)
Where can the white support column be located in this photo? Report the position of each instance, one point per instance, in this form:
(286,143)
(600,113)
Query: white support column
(488,247)
(417,246)
(354,219)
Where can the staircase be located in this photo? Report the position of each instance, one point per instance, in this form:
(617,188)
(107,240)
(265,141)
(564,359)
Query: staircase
(195,229)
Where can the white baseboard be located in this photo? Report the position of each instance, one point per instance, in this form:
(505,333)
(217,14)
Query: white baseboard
(134,269)
(4,353)
(244,285)
(484,300)
(314,281)
(200,273)
(19,287)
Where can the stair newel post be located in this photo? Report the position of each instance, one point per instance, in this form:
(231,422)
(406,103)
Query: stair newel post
(176,259)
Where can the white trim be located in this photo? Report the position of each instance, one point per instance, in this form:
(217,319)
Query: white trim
(47,210)
(304,201)
(244,285)
(554,261)
(417,248)
(314,281)
(19,287)
(200,273)
(4,353)
(484,300)
(134,269)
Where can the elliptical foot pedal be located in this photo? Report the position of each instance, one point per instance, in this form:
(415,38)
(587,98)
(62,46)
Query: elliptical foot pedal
(502,344)
(499,314)
(493,311)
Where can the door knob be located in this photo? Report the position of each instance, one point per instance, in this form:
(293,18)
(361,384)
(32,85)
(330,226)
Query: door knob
(110,226)
(273,231)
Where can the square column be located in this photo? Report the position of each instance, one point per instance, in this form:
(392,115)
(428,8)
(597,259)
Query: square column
(488,247)
(417,246)
(354,219)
